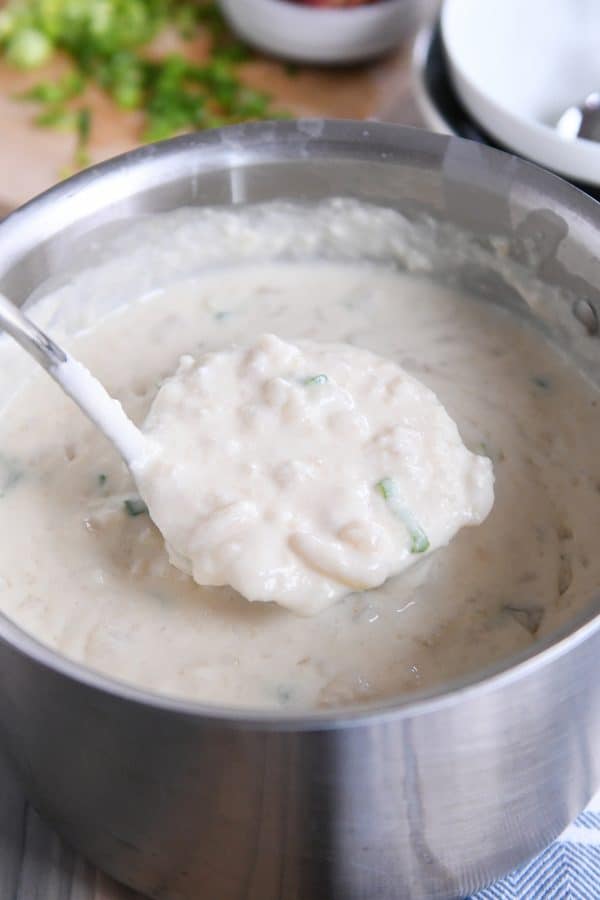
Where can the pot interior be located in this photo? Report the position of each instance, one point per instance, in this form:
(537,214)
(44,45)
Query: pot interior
(473,220)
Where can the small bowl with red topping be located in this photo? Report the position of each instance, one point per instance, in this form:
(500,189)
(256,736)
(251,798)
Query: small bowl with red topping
(327,32)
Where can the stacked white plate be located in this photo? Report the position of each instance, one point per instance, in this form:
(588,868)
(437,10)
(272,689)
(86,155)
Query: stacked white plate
(517,65)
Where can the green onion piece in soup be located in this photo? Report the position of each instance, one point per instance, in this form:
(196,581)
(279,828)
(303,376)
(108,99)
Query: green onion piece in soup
(135,506)
(315,379)
(541,381)
(419,542)
(528,617)
(10,474)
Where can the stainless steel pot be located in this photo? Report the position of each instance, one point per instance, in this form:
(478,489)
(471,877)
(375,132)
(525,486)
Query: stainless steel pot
(430,797)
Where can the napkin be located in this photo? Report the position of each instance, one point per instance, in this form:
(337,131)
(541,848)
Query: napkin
(569,869)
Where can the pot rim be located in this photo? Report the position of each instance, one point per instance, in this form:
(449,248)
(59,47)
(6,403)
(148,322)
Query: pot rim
(392,143)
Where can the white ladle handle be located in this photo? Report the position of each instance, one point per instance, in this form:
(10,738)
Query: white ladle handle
(29,336)
(87,392)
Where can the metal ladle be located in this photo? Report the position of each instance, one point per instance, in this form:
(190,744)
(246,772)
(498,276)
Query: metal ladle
(581,121)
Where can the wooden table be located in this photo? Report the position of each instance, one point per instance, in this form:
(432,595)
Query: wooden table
(32,159)
(34,863)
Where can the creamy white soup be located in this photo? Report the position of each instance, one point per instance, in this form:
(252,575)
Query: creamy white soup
(84,569)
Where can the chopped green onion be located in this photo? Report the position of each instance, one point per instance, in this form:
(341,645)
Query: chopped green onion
(284,694)
(67,87)
(387,488)
(28,48)
(10,474)
(541,381)
(102,478)
(251,104)
(316,379)
(106,41)
(565,573)
(529,618)
(84,124)
(135,506)
(419,542)
(58,117)
(7,24)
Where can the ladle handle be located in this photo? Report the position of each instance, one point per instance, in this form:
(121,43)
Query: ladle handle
(76,381)
(29,336)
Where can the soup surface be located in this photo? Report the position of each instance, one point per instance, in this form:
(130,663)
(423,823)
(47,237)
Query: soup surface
(84,570)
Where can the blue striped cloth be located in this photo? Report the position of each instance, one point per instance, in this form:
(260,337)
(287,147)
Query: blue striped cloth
(569,869)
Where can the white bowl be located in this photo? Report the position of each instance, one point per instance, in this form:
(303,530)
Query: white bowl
(518,64)
(317,35)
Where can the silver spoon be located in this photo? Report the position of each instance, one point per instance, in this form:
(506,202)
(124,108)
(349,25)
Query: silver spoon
(581,121)
(76,381)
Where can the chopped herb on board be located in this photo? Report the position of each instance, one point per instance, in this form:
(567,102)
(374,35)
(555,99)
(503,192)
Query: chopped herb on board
(419,542)
(135,506)
(109,45)
(315,379)
(83,125)
(102,479)
(56,117)
(55,92)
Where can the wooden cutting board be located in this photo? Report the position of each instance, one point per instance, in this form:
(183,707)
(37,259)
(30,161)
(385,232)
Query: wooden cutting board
(32,159)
